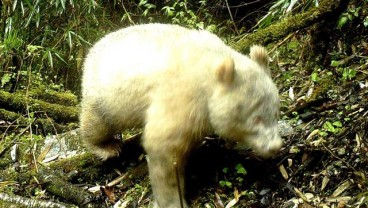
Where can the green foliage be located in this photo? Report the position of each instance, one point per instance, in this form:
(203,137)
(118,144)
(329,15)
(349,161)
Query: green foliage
(48,40)
(224,183)
(314,77)
(6,78)
(348,73)
(349,15)
(334,127)
(225,170)
(236,174)
(356,12)
(192,14)
(282,8)
(240,169)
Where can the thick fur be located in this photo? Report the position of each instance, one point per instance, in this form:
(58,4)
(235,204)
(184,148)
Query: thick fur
(179,85)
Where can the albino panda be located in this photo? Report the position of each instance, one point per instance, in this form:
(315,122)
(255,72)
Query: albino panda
(178,85)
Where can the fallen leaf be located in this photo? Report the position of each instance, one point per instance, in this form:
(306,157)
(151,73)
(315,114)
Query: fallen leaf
(294,149)
(283,172)
(301,195)
(325,181)
(305,157)
(309,93)
(43,154)
(50,159)
(290,162)
(218,202)
(233,201)
(314,132)
(291,93)
(338,199)
(341,204)
(95,189)
(109,192)
(117,180)
(122,204)
(13,153)
(341,188)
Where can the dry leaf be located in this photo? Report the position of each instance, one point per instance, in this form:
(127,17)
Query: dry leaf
(95,189)
(117,180)
(233,201)
(309,93)
(305,157)
(291,93)
(43,154)
(109,192)
(301,195)
(341,204)
(290,162)
(341,188)
(314,132)
(122,204)
(358,140)
(13,153)
(325,181)
(218,202)
(294,149)
(49,159)
(338,199)
(283,172)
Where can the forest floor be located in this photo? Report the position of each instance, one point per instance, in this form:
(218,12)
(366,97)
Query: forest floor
(323,162)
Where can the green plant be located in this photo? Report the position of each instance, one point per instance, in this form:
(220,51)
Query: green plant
(239,172)
(347,73)
(315,77)
(334,127)
(146,7)
(50,38)
(349,15)
(282,8)
(224,183)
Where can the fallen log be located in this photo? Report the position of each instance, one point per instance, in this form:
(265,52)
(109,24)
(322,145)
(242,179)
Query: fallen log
(51,96)
(16,119)
(18,102)
(325,11)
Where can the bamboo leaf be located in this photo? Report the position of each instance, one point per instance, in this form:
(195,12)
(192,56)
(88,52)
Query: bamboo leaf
(49,55)
(70,40)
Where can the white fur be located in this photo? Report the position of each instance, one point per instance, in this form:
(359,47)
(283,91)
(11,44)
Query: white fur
(178,84)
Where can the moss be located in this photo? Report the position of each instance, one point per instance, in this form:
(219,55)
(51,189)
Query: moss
(18,102)
(288,25)
(51,96)
(9,115)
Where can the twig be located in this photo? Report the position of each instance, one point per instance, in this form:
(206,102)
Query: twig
(283,41)
(117,180)
(29,117)
(337,157)
(231,17)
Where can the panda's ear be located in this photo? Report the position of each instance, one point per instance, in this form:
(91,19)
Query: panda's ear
(225,71)
(259,55)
